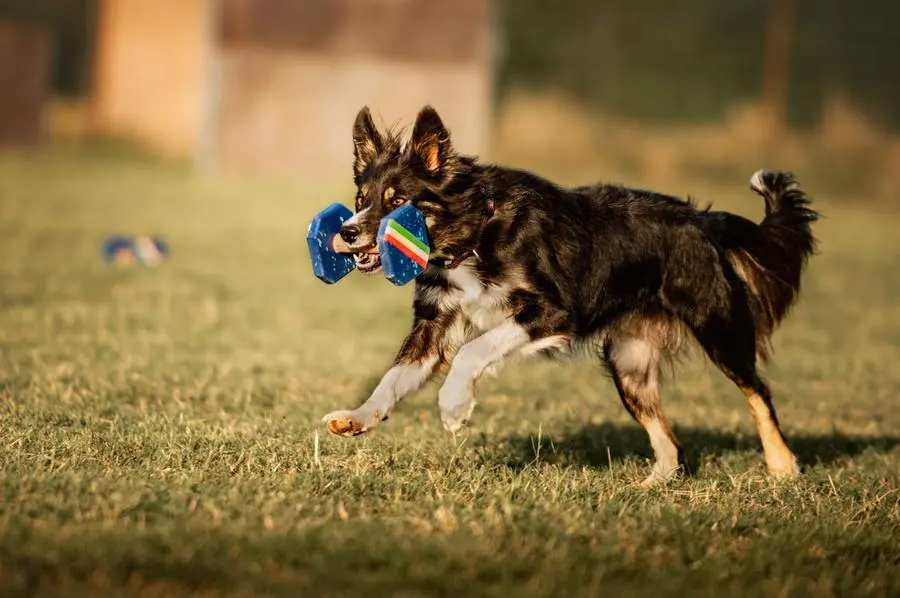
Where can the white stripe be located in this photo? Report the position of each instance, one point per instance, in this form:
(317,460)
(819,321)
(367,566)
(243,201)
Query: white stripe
(389,233)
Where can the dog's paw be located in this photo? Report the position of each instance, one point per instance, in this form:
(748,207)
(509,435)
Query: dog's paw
(451,424)
(784,468)
(660,475)
(350,423)
(455,419)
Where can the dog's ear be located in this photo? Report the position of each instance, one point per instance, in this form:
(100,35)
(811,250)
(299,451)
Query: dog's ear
(430,147)
(367,141)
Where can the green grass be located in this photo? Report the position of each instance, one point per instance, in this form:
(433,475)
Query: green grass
(158,426)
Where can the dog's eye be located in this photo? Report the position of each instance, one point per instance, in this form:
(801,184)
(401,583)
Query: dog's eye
(397,201)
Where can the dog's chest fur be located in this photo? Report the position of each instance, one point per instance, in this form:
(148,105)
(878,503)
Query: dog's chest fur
(483,305)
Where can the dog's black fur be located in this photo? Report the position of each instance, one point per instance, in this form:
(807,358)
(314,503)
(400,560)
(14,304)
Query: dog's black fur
(633,273)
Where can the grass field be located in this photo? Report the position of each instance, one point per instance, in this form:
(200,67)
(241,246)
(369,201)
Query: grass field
(158,426)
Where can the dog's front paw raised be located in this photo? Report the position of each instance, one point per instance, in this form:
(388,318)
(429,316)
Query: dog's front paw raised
(350,423)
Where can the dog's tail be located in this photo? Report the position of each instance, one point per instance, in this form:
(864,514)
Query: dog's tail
(771,261)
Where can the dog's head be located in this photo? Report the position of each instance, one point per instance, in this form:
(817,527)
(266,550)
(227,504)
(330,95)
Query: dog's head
(427,173)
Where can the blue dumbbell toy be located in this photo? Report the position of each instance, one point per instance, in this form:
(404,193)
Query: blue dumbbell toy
(126,251)
(402,244)
(331,257)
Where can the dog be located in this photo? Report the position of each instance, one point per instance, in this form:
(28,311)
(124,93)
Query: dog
(521,266)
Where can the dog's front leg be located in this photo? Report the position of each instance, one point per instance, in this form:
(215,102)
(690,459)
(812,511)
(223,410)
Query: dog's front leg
(402,379)
(456,397)
(425,349)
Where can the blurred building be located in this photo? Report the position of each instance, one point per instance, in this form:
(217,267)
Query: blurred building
(274,85)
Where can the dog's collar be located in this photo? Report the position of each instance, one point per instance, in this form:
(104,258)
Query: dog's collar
(455,262)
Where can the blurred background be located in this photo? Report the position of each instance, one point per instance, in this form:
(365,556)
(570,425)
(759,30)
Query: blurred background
(160,427)
(650,92)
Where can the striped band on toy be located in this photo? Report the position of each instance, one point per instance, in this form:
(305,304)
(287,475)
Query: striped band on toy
(407,243)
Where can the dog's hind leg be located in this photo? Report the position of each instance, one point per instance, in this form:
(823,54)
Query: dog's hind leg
(711,299)
(634,365)
(730,345)
(456,397)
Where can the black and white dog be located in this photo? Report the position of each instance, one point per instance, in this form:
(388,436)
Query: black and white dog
(521,266)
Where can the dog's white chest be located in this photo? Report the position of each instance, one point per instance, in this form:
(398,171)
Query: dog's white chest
(484,306)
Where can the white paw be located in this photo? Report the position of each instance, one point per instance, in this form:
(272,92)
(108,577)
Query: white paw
(350,423)
(660,474)
(784,465)
(458,416)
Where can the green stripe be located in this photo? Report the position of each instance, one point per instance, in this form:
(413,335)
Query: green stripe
(398,240)
(398,228)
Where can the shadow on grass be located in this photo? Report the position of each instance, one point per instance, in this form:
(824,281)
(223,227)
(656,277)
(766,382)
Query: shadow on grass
(597,445)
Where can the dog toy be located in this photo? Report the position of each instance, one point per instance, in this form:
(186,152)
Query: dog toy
(331,257)
(402,244)
(127,251)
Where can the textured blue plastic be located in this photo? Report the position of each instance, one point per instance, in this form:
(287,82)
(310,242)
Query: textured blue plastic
(113,245)
(397,267)
(329,266)
(143,250)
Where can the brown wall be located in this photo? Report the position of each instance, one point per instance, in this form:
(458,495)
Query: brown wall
(24,83)
(274,85)
(429,31)
(151,70)
(294,114)
(294,74)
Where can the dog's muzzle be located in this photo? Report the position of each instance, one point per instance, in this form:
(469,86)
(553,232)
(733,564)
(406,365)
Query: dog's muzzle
(367,262)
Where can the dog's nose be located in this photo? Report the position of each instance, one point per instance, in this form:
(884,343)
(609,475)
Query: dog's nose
(349,233)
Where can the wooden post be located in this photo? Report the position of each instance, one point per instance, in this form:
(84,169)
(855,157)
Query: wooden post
(24,81)
(777,65)
(205,154)
(150,72)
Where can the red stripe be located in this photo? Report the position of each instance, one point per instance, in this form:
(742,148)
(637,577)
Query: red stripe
(406,251)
